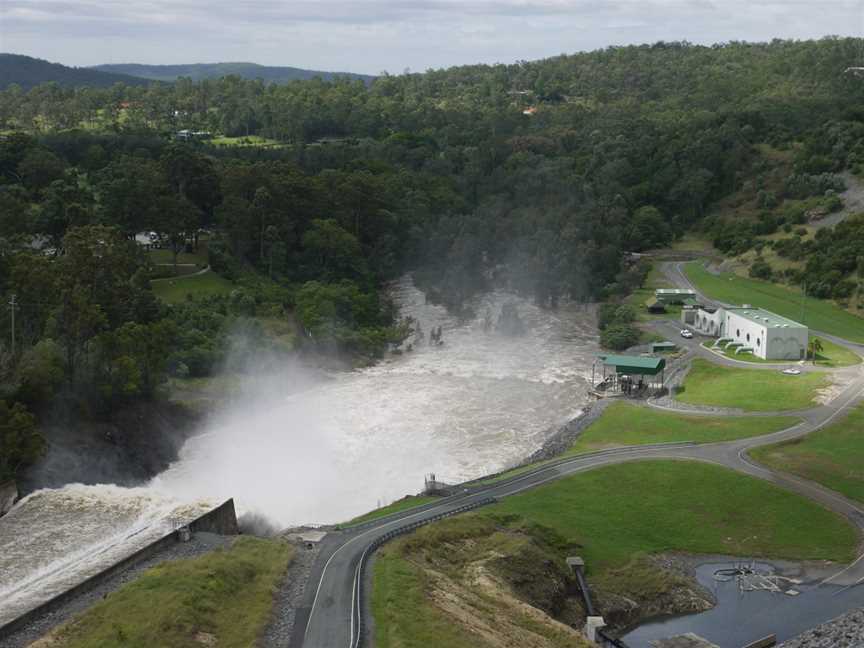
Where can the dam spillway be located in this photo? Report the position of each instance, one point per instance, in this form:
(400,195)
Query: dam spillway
(54,539)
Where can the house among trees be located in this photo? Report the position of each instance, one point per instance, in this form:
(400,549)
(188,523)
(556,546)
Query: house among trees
(747,329)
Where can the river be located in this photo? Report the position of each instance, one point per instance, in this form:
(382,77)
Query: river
(340,446)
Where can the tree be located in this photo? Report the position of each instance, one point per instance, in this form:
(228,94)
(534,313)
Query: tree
(331,251)
(20,441)
(178,223)
(814,348)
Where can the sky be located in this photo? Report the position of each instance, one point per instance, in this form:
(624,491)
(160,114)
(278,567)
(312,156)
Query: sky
(371,36)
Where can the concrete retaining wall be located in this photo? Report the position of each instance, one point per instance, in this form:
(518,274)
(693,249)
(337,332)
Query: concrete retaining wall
(8,496)
(221,520)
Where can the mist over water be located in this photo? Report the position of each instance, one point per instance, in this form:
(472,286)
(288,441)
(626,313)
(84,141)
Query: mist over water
(346,443)
(300,447)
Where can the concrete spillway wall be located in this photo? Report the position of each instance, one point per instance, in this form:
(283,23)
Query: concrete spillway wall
(221,520)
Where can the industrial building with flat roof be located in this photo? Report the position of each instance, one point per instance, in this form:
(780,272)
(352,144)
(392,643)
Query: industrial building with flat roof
(755,330)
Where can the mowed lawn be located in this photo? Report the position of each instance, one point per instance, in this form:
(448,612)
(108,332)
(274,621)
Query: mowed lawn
(654,506)
(623,424)
(222,598)
(818,314)
(175,290)
(751,390)
(832,456)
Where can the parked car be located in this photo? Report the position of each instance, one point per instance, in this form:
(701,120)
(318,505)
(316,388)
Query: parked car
(791,371)
(685,333)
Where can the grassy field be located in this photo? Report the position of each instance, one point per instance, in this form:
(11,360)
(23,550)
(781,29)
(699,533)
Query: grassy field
(623,424)
(175,290)
(400,505)
(246,140)
(652,506)
(639,298)
(222,598)
(755,391)
(831,456)
(819,315)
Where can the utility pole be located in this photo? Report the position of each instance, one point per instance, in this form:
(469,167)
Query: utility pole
(13,306)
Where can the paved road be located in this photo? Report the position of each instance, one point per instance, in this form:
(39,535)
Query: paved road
(330,618)
(331,614)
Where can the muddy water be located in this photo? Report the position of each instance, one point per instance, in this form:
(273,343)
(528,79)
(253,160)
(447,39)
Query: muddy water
(740,618)
(335,448)
(476,404)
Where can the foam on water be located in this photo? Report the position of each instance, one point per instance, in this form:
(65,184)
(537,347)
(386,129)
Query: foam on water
(477,404)
(55,538)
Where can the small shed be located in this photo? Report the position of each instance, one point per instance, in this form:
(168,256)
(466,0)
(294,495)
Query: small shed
(654,306)
(663,347)
(629,372)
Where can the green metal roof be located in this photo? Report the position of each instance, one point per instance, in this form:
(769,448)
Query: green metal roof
(674,291)
(663,345)
(635,364)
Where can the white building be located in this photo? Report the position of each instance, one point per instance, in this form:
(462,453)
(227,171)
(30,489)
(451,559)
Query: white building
(762,333)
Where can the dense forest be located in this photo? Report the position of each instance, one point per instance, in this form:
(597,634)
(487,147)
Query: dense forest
(538,176)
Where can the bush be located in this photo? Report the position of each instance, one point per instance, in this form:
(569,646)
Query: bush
(761,270)
(619,337)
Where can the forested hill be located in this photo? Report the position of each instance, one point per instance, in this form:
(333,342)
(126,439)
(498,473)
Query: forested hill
(29,72)
(539,177)
(199,71)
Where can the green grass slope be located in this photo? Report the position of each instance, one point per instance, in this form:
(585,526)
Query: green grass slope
(817,314)
(832,456)
(223,598)
(748,389)
(623,424)
(653,506)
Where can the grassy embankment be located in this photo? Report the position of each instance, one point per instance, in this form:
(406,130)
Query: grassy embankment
(831,456)
(223,598)
(817,314)
(612,517)
(623,424)
(753,391)
(399,505)
(246,141)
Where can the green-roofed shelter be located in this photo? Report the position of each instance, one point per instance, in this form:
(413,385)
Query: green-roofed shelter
(663,347)
(630,375)
(640,365)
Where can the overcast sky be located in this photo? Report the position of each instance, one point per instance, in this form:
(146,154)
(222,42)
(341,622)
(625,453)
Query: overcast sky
(374,35)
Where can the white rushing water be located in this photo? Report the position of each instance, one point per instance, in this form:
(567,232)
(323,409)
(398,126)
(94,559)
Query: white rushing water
(336,449)
(475,405)
(55,538)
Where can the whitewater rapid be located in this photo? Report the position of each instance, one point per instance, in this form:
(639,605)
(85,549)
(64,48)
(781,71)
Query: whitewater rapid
(305,448)
(479,403)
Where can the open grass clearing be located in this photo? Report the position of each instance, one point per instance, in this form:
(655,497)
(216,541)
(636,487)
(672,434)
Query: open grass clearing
(176,290)
(623,424)
(617,511)
(222,598)
(245,141)
(832,456)
(817,314)
(765,390)
(165,257)
(640,297)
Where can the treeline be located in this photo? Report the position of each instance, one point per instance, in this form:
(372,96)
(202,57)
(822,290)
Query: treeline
(535,176)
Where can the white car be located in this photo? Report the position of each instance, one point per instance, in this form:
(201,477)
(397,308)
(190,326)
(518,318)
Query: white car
(686,334)
(791,371)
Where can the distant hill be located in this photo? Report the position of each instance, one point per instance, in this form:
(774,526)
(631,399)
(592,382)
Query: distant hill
(28,72)
(198,71)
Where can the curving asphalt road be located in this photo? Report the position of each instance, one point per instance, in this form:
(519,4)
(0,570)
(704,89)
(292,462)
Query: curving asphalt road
(331,614)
